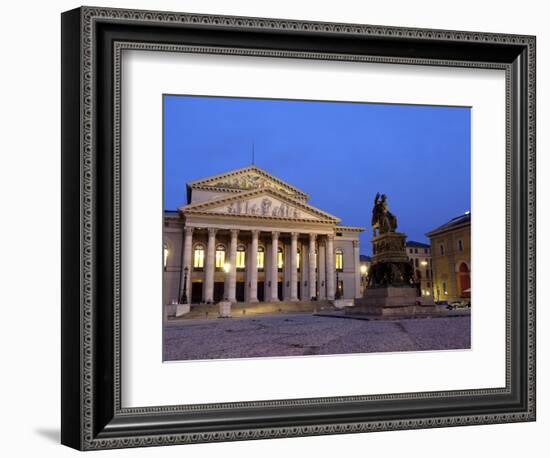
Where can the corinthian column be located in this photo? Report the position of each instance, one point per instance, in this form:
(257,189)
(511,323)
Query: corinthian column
(232,285)
(253,274)
(210,257)
(312,265)
(330,267)
(293,267)
(274,267)
(187,258)
(357,272)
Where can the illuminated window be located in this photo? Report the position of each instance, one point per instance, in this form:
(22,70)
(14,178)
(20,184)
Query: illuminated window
(260,256)
(280,260)
(339,261)
(241,257)
(298,259)
(220,257)
(198,258)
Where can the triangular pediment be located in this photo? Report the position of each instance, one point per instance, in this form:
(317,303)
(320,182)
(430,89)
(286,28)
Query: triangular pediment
(247,179)
(261,203)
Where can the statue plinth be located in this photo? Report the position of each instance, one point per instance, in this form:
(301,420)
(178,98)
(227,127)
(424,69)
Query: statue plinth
(393,302)
(389,247)
(390,263)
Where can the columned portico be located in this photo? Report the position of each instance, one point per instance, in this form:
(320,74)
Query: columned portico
(209,275)
(274,271)
(232,280)
(312,267)
(247,236)
(330,267)
(294,266)
(253,268)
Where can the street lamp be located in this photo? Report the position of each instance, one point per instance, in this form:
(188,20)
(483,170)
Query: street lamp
(338,294)
(363,269)
(226,269)
(166,252)
(183,299)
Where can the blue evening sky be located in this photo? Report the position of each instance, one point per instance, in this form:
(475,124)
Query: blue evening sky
(340,153)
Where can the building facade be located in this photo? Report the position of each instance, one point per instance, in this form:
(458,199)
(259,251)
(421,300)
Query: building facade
(247,236)
(450,246)
(421,259)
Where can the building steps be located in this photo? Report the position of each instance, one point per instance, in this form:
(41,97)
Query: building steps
(243,309)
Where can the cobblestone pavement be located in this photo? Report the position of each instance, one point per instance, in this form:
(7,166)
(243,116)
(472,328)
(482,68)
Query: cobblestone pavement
(304,334)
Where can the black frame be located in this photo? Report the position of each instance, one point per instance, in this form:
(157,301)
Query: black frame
(92,417)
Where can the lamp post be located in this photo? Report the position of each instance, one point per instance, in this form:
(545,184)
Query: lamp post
(166,253)
(183,299)
(338,294)
(363,269)
(226,269)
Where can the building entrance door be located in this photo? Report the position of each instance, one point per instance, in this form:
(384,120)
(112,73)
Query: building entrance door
(218,291)
(280,290)
(239,291)
(261,290)
(196,292)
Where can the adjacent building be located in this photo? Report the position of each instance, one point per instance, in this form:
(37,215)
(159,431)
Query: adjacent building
(450,247)
(421,259)
(248,236)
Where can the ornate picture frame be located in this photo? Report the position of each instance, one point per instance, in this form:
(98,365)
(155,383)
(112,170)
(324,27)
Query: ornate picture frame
(92,413)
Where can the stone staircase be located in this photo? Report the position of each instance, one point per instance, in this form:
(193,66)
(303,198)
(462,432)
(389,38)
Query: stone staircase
(244,309)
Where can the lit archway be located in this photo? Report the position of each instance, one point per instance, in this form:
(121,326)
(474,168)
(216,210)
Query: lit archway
(464,279)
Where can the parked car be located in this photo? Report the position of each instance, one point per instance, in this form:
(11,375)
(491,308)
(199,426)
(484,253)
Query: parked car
(459,305)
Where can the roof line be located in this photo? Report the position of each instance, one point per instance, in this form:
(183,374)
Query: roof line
(249,167)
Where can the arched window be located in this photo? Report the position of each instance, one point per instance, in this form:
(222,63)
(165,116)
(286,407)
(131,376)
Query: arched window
(280,259)
(241,257)
(198,257)
(441,249)
(220,257)
(339,259)
(415,262)
(460,245)
(260,257)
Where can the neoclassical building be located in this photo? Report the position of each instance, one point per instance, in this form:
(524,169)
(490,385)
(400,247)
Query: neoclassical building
(248,236)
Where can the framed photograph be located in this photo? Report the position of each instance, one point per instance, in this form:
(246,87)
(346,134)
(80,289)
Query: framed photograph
(276,228)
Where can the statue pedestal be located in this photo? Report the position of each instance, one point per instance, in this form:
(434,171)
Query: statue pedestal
(389,247)
(392,301)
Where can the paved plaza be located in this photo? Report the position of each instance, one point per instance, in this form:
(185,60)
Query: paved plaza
(306,334)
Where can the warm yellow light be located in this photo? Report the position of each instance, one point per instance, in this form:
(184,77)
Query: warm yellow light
(363,269)
(424,263)
(226,267)
(427,293)
(166,252)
